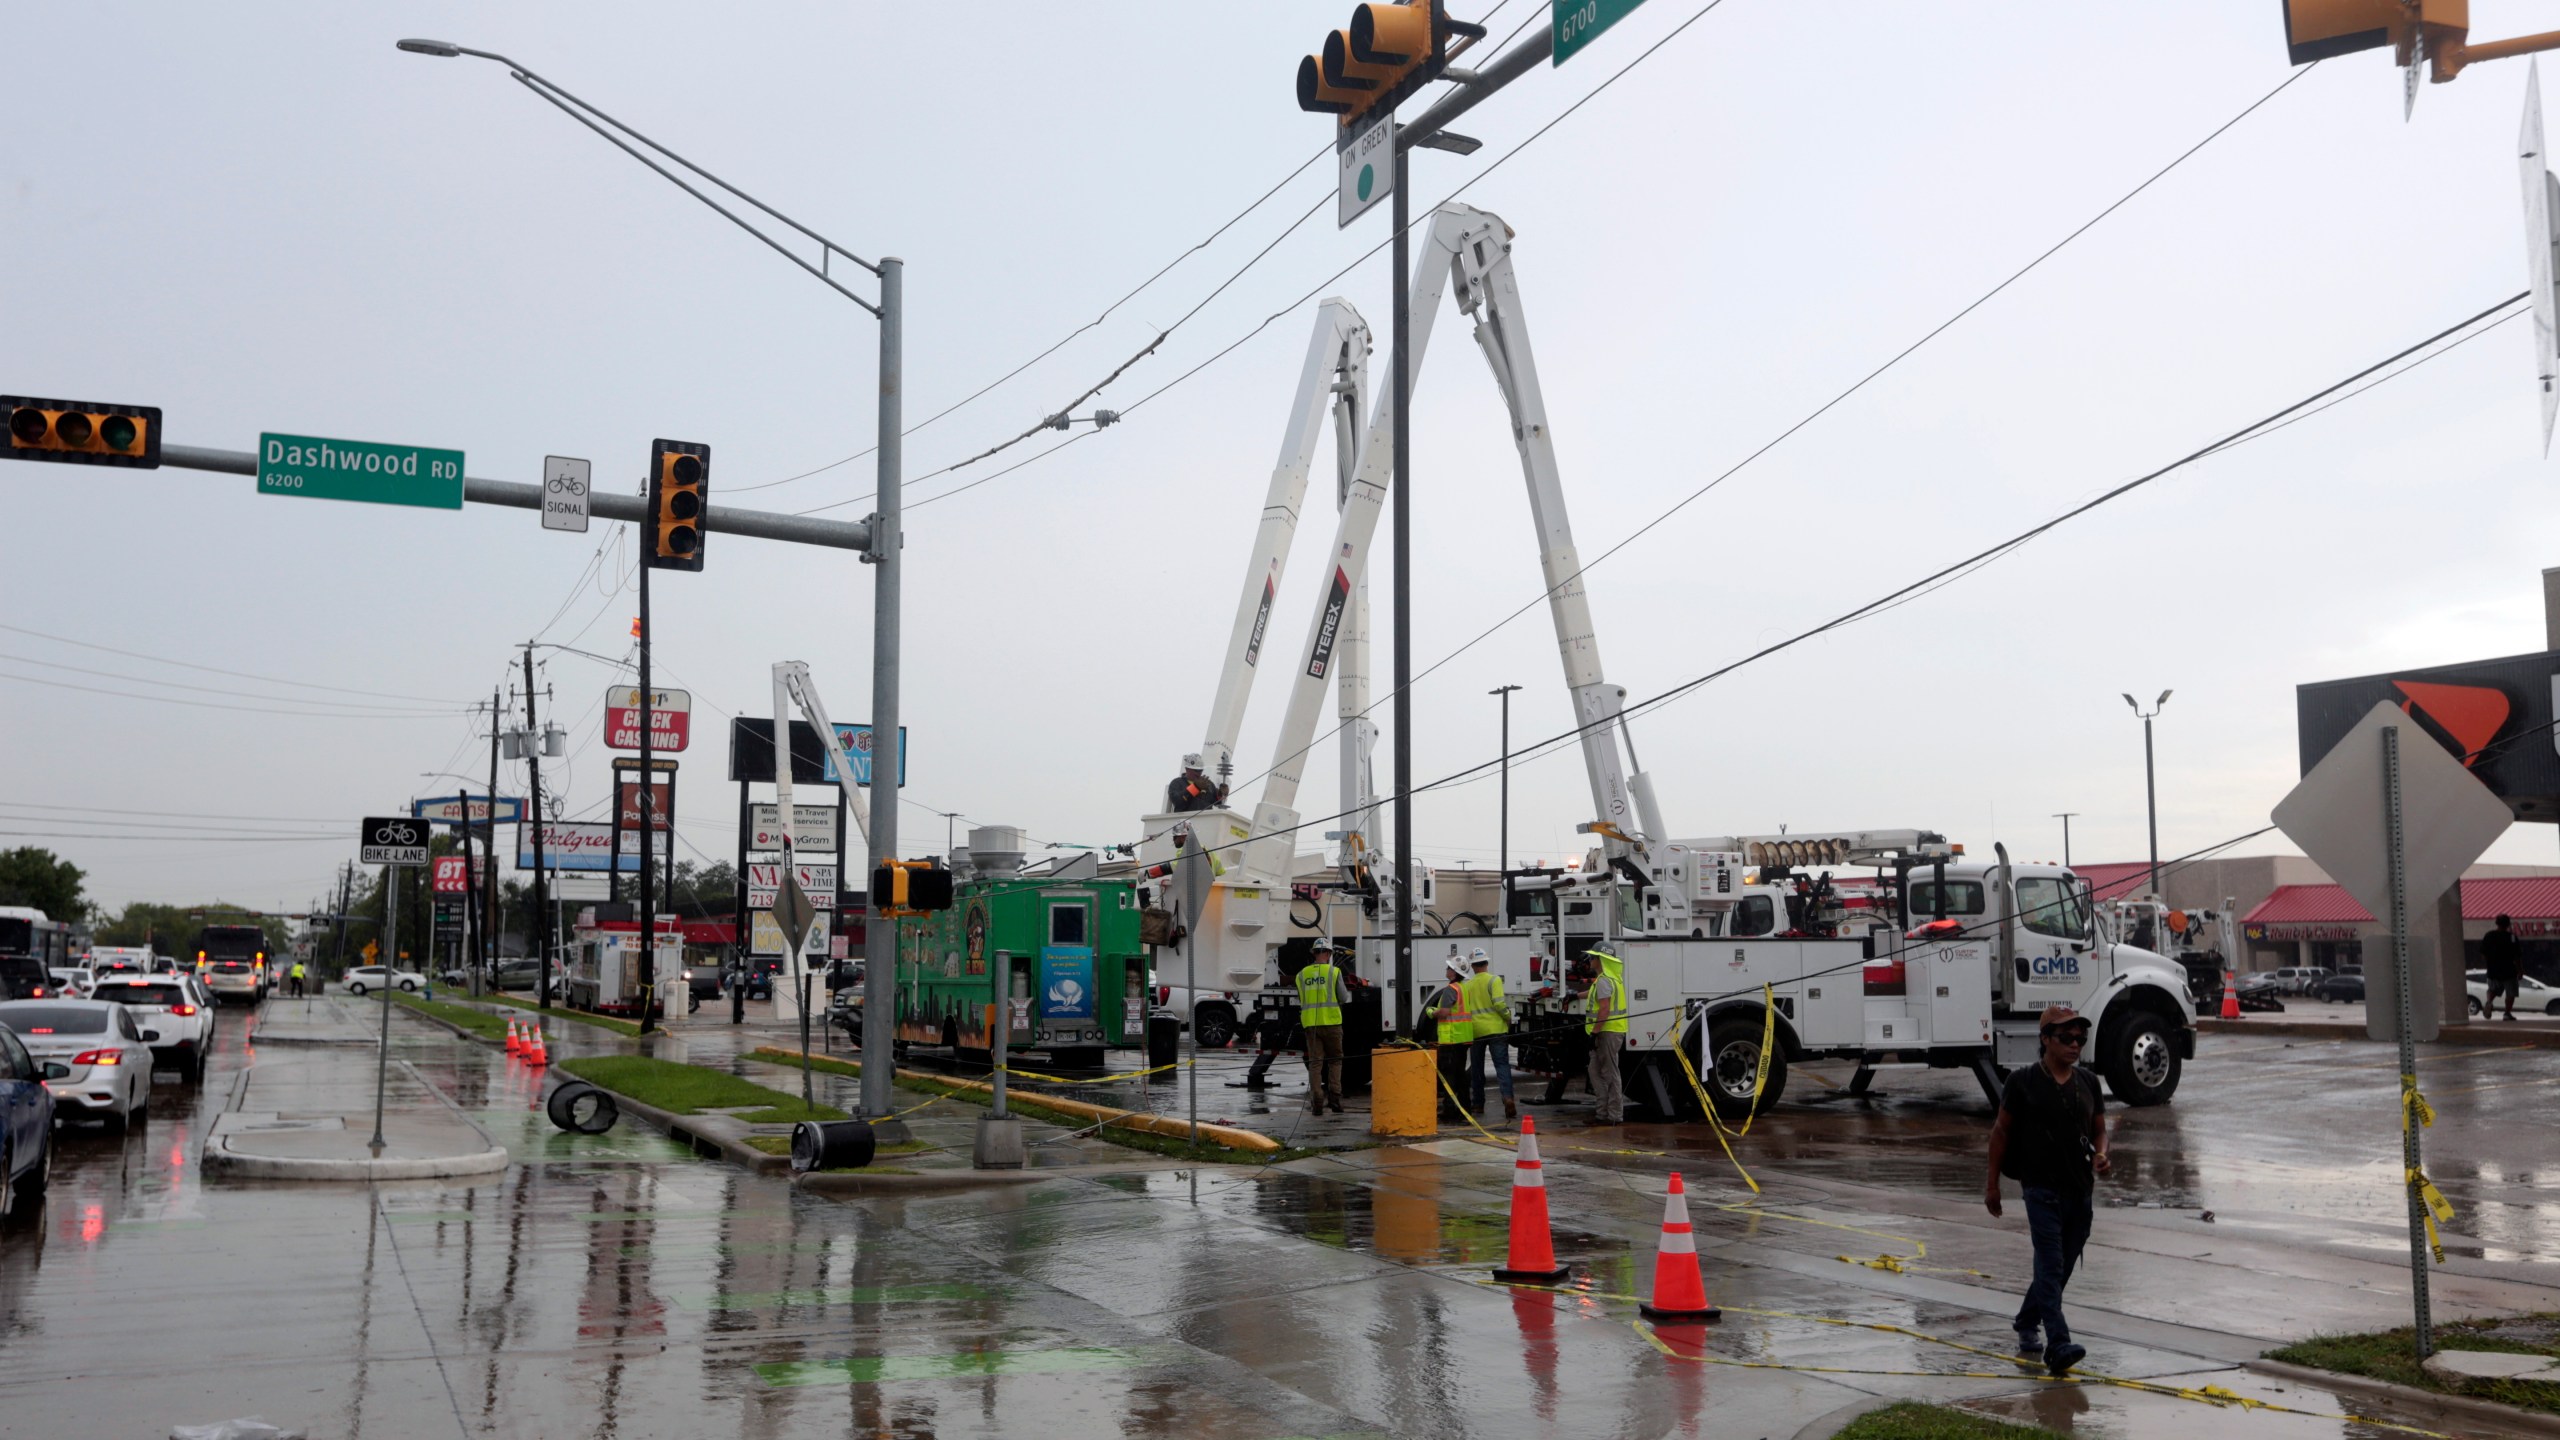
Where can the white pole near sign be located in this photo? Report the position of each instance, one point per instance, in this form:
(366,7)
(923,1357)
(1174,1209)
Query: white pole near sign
(567,487)
(1368,161)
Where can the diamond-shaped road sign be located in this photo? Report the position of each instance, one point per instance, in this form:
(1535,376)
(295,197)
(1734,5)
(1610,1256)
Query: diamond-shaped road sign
(793,912)
(2447,817)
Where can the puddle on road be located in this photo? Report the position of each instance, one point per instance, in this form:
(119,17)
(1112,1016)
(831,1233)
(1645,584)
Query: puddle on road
(846,1295)
(968,1364)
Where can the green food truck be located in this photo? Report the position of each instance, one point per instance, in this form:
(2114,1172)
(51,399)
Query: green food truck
(1062,955)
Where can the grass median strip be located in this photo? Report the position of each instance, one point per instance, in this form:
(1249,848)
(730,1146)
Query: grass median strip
(478,1022)
(2393,1355)
(1911,1420)
(601,1022)
(690,1089)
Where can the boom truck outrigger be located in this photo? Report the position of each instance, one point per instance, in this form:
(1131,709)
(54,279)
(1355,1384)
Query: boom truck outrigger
(1947,966)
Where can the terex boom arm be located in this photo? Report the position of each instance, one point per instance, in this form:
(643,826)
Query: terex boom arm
(1334,378)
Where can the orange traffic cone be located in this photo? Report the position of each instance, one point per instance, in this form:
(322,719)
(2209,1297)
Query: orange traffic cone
(535,1052)
(1679,1289)
(2230,997)
(1532,1260)
(515,1040)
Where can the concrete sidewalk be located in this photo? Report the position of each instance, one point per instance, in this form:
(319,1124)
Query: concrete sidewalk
(311,1117)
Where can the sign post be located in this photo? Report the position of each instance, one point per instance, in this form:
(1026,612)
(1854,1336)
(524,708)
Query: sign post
(391,841)
(2435,820)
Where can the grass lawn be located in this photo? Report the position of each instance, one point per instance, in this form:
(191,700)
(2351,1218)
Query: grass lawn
(601,1022)
(1029,1105)
(478,1022)
(1913,1421)
(691,1089)
(2393,1355)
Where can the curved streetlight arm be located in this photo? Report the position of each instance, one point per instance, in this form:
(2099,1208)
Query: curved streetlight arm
(581,111)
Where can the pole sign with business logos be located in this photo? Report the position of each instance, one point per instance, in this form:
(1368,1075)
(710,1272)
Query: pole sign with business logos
(670,718)
(580,846)
(506,810)
(764,882)
(813,828)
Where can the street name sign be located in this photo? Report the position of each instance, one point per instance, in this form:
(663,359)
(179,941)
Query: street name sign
(813,827)
(1579,22)
(765,881)
(393,840)
(448,811)
(2447,817)
(670,718)
(565,493)
(318,469)
(1368,162)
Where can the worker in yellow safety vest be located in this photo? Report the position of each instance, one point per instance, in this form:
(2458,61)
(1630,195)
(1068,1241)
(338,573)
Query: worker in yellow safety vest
(1454,1031)
(1321,996)
(1489,1019)
(1604,1016)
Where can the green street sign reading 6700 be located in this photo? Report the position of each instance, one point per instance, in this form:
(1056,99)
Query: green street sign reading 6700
(1579,22)
(359,470)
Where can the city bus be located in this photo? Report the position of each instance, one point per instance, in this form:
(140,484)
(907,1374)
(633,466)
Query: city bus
(30,945)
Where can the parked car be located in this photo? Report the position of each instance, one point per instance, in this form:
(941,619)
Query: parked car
(2259,991)
(2532,996)
(176,1009)
(26,1127)
(703,980)
(520,973)
(365,979)
(101,1051)
(69,981)
(2298,979)
(2335,988)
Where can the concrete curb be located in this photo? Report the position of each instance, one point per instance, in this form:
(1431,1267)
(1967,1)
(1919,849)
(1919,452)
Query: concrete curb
(2539,1037)
(922,1182)
(703,1134)
(282,1167)
(1823,1427)
(2424,1404)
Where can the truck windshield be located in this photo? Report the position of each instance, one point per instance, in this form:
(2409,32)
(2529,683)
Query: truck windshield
(2050,907)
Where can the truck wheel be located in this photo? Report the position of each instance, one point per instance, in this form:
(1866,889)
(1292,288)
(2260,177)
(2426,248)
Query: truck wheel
(1732,1062)
(2142,1065)
(1214,1026)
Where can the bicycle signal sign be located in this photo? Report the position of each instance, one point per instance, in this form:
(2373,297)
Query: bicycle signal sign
(565,493)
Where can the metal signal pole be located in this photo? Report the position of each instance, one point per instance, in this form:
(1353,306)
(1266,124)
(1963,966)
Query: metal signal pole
(541,920)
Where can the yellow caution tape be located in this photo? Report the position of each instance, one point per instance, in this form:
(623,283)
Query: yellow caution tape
(1497,1141)
(1759,1083)
(2414,1106)
(2434,1209)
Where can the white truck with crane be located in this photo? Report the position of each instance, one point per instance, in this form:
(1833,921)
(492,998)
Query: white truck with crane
(1950,971)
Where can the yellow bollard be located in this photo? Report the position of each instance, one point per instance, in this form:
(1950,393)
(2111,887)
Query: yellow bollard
(1404,1092)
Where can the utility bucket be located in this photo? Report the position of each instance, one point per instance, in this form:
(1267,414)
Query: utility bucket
(1404,1092)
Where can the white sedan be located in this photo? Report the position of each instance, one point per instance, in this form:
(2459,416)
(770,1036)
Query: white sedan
(364,979)
(102,1054)
(2532,996)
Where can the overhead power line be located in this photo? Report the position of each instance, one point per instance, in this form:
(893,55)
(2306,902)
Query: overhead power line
(214,670)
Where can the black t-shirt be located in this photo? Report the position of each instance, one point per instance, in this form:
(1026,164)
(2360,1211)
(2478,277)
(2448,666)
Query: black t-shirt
(2049,1128)
(2499,951)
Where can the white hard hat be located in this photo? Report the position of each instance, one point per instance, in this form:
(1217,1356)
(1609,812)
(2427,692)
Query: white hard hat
(1191,761)
(1478,957)
(1456,969)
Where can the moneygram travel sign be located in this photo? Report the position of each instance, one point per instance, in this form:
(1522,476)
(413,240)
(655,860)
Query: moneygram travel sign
(319,469)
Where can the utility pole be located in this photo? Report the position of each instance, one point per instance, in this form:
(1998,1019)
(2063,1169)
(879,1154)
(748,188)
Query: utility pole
(1504,692)
(539,922)
(880,941)
(489,919)
(2065,817)
(648,813)
(345,874)
(2150,786)
(1400,497)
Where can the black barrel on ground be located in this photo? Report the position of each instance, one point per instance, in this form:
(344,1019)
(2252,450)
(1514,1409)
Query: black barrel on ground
(832,1145)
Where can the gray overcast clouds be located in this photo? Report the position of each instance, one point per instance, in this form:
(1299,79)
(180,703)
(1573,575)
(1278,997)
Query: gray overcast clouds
(266,218)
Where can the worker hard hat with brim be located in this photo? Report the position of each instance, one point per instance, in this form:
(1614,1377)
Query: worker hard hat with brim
(1322,947)
(2057,1016)
(1479,957)
(1191,762)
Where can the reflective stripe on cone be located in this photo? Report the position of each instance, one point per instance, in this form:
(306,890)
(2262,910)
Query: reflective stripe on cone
(1679,1288)
(1531,1259)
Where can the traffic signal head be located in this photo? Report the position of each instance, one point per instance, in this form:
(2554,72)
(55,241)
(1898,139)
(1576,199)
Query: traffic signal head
(85,432)
(1388,52)
(2319,29)
(679,491)
(910,887)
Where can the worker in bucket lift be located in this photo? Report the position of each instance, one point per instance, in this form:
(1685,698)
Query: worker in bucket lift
(1192,790)
(1489,1015)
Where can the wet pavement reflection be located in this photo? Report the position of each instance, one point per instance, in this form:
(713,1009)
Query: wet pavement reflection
(618,1286)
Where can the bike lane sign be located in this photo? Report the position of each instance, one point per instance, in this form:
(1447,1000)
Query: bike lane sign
(565,493)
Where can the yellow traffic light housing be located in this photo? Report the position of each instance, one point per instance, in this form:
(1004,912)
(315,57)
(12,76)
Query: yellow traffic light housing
(2320,29)
(83,432)
(910,887)
(679,492)
(1389,51)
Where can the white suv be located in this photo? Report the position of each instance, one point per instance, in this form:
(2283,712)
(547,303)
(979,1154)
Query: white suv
(364,979)
(174,1005)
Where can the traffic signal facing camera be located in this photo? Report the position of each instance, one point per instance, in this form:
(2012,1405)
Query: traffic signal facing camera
(679,494)
(83,432)
(1386,53)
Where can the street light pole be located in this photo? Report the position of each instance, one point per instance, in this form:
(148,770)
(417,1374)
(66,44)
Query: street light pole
(2065,817)
(885,538)
(2150,786)
(1504,863)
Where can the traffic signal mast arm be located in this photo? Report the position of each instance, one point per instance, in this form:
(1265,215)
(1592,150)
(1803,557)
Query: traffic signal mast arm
(629,509)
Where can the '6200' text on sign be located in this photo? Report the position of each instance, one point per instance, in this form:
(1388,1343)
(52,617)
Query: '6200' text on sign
(359,470)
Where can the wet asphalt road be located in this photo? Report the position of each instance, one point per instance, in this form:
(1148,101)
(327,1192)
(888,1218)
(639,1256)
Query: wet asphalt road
(618,1287)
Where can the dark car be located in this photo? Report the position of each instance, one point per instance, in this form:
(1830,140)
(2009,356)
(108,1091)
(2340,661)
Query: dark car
(702,977)
(2335,988)
(26,1127)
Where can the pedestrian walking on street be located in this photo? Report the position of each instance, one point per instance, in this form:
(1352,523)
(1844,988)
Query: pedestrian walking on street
(2051,1138)
(1489,1014)
(2503,958)
(1604,1017)
(1321,996)
(296,979)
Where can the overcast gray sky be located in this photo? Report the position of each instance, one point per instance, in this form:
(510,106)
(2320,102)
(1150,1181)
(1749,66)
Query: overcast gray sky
(269,219)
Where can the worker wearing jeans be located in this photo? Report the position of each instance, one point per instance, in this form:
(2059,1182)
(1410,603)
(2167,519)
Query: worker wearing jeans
(1491,1021)
(2051,1138)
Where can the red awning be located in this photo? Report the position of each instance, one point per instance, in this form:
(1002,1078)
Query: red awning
(2523,897)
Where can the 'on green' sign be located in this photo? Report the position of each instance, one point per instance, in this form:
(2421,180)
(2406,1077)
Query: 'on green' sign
(1578,22)
(359,470)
